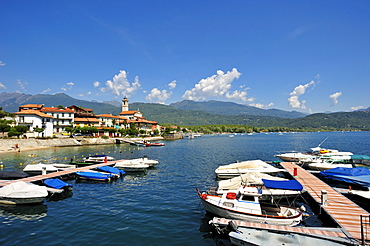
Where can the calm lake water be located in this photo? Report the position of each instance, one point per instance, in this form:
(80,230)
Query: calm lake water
(160,207)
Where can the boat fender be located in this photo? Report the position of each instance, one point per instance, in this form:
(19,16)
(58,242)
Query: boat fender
(302,208)
(204,196)
(231,195)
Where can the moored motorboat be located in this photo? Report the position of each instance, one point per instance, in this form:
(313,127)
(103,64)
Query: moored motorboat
(22,193)
(245,205)
(58,184)
(112,170)
(270,189)
(238,168)
(331,162)
(11,175)
(156,144)
(98,158)
(251,178)
(146,160)
(131,166)
(41,168)
(38,169)
(95,176)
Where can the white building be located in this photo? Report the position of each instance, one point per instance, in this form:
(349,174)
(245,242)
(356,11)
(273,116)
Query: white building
(35,119)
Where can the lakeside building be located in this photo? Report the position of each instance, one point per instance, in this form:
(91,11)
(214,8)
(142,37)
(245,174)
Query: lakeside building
(54,120)
(35,119)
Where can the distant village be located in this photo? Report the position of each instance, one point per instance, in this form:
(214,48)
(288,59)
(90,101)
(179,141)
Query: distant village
(57,120)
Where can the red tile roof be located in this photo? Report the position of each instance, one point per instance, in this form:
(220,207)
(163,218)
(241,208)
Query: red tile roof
(128,112)
(52,109)
(93,120)
(34,112)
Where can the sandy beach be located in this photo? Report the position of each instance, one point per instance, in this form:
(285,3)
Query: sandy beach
(4,150)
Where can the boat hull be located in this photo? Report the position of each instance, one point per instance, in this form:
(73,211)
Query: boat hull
(256,218)
(15,201)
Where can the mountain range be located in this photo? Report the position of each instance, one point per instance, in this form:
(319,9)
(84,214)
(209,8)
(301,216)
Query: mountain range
(187,113)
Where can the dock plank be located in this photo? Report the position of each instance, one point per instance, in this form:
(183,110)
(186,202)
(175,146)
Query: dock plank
(59,173)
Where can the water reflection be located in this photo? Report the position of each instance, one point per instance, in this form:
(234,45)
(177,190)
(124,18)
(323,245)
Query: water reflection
(24,212)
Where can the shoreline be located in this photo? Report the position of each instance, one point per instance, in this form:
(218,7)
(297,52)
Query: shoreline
(8,146)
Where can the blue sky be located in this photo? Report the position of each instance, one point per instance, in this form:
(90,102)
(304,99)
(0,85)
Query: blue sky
(308,56)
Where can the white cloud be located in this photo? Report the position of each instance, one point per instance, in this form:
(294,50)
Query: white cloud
(68,86)
(22,85)
(121,86)
(297,92)
(215,86)
(158,96)
(238,95)
(45,91)
(81,95)
(334,98)
(172,85)
(260,105)
(357,108)
(2,64)
(96,84)
(2,86)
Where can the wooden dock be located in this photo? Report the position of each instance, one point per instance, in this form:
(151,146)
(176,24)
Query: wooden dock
(345,212)
(58,174)
(333,234)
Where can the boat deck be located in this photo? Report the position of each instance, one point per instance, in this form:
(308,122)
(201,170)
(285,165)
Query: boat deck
(58,174)
(345,212)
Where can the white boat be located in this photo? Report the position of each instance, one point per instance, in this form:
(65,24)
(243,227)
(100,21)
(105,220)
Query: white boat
(62,166)
(245,205)
(236,169)
(296,157)
(330,162)
(269,186)
(41,169)
(147,161)
(131,166)
(98,158)
(251,178)
(22,193)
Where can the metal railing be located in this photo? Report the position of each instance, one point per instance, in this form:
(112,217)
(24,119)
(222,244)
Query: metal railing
(365,228)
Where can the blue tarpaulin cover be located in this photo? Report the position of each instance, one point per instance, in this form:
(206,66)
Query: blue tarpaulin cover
(56,183)
(358,175)
(111,170)
(93,175)
(282,184)
(345,171)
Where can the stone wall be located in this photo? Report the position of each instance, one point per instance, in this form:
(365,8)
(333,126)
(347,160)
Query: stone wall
(57,142)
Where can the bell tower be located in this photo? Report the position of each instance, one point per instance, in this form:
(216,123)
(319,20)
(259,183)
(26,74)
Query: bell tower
(124,104)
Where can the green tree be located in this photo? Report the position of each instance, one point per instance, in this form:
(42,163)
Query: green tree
(68,129)
(21,129)
(13,132)
(4,128)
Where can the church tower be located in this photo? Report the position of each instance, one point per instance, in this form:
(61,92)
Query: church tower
(124,104)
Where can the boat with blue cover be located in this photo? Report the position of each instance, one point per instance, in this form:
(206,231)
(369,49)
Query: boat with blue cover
(57,184)
(96,176)
(113,170)
(359,176)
